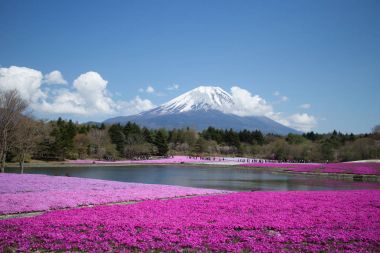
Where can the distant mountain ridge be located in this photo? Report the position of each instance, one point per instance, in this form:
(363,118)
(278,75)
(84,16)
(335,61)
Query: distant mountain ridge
(200,108)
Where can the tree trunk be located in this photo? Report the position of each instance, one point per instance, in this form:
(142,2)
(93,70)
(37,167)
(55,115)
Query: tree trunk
(3,151)
(21,162)
(22,167)
(3,163)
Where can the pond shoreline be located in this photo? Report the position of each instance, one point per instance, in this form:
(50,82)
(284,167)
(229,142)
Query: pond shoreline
(339,176)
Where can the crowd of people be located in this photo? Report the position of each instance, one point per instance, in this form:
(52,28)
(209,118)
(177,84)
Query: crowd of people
(242,159)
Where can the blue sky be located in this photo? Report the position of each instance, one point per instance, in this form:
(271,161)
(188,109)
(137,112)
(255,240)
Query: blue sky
(290,53)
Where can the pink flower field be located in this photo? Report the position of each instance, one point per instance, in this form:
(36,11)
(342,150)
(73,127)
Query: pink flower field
(347,168)
(326,221)
(29,192)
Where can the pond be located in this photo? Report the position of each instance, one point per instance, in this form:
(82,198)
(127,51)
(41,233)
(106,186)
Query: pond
(227,178)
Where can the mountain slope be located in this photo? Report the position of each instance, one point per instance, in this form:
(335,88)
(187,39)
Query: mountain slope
(200,108)
(202,119)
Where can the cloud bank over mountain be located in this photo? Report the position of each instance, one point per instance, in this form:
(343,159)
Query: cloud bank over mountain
(88,96)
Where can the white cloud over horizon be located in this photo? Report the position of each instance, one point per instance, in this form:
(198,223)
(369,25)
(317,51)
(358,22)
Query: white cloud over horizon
(302,121)
(248,104)
(89,97)
(299,121)
(27,81)
(134,106)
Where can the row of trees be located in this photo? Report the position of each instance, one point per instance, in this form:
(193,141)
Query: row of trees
(23,138)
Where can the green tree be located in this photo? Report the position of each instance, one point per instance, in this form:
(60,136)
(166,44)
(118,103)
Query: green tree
(161,143)
(258,137)
(117,137)
(147,134)
(327,151)
(295,139)
(63,133)
(232,138)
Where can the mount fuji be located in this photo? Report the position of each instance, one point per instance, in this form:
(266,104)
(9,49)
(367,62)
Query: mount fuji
(200,108)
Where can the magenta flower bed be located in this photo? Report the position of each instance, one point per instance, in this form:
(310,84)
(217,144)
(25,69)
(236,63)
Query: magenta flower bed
(348,168)
(28,192)
(328,221)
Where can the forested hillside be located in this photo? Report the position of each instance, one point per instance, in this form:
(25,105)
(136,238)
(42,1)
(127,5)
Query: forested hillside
(61,140)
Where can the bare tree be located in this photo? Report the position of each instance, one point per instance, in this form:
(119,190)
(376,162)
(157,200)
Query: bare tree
(98,140)
(81,145)
(26,135)
(11,107)
(376,129)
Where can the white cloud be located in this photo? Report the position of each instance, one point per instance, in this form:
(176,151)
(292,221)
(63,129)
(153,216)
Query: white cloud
(93,89)
(149,89)
(54,77)
(305,106)
(173,87)
(281,98)
(88,96)
(278,116)
(65,102)
(135,106)
(27,81)
(303,122)
(247,104)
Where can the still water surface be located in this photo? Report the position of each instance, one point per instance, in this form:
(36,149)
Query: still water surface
(228,178)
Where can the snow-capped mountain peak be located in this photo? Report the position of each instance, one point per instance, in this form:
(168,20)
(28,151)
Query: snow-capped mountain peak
(201,108)
(203,98)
